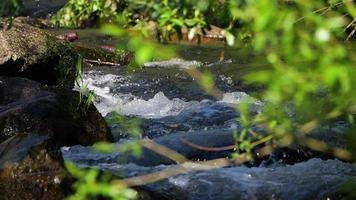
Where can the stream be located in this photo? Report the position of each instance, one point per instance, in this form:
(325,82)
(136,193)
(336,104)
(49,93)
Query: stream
(169,104)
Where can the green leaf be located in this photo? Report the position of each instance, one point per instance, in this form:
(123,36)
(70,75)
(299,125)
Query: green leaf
(230,38)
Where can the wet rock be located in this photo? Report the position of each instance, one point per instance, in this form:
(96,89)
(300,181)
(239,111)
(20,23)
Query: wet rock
(104,55)
(205,115)
(42,8)
(30,52)
(314,179)
(176,142)
(31,168)
(148,82)
(318,179)
(334,135)
(26,106)
(94,45)
(36,22)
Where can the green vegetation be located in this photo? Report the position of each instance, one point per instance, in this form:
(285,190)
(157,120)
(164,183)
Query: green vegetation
(312,69)
(78,13)
(90,184)
(168,17)
(10,8)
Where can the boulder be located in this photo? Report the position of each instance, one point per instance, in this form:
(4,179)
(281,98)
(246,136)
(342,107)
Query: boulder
(35,121)
(31,52)
(28,107)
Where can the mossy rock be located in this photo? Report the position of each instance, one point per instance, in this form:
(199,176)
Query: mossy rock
(33,53)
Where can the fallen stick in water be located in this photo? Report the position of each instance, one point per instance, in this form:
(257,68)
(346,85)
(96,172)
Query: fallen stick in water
(204,148)
(99,62)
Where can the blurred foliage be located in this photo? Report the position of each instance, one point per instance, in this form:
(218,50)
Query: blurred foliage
(91,184)
(348,189)
(170,16)
(129,127)
(79,13)
(143,53)
(167,18)
(312,70)
(10,8)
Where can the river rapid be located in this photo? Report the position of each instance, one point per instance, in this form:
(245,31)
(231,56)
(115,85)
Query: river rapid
(168,105)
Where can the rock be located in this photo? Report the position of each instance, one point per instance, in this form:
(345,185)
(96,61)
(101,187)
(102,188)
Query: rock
(334,135)
(201,116)
(35,121)
(94,45)
(27,107)
(314,179)
(104,54)
(31,168)
(33,53)
(214,32)
(36,22)
(42,8)
(87,155)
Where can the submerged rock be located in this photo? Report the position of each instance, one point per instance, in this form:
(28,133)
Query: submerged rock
(30,52)
(26,106)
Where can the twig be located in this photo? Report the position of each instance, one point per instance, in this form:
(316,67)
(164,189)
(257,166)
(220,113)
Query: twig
(350,24)
(321,146)
(99,62)
(172,171)
(203,148)
(164,151)
(188,167)
(324,9)
(351,34)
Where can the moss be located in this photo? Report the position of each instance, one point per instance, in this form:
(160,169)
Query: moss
(98,54)
(66,57)
(22,41)
(43,58)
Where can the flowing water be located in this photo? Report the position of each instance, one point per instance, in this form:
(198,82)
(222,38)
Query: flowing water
(168,103)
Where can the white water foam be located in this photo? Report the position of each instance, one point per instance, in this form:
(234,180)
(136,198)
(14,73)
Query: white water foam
(174,63)
(157,107)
